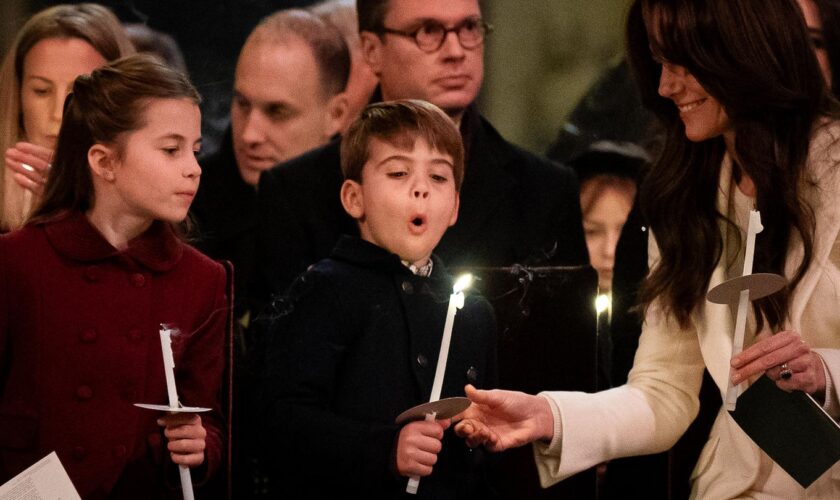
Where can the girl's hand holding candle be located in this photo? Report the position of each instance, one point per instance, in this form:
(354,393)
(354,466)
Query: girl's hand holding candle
(185,436)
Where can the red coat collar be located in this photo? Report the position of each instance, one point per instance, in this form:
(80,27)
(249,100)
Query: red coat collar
(73,237)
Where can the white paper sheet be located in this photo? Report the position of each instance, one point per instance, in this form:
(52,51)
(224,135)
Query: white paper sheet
(45,480)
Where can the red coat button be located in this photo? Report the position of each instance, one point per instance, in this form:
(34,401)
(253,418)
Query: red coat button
(84,393)
(128,395)
(138,280)
(92,274)
(87,336)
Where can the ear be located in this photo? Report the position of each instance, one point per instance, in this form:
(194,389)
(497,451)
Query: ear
(454,218)
(372,51)
(353,199)
(336,119)
(101,159)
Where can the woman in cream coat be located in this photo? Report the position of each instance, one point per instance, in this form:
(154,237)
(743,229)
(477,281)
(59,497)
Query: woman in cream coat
(750,126)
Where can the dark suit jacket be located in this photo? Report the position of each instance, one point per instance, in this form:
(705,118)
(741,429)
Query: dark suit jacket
(225,214)
(79,344)
(353,345)
(515,208)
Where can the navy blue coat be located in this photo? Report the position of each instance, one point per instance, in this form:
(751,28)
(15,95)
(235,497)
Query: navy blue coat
(354,344)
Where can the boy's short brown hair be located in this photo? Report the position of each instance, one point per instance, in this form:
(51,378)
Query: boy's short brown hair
(401,123)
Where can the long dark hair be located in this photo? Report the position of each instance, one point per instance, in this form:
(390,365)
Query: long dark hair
(829,11)
(755,58)
(102,106)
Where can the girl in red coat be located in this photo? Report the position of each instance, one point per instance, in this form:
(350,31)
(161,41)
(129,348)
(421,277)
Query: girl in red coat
(86,284)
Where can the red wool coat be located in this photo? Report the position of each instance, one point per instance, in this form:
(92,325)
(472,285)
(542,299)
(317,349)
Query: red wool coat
(79,344)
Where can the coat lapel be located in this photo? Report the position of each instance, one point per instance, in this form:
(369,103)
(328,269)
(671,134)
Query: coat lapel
(715,326)
(488,185)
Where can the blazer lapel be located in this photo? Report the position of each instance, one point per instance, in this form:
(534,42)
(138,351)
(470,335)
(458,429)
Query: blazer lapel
(715,327)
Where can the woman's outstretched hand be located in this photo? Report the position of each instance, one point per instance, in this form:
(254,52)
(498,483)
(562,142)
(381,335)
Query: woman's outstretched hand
(500,420)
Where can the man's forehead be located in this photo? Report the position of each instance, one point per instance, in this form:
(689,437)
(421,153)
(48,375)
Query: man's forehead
(444,11)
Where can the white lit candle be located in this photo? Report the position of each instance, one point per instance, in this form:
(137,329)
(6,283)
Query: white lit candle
(754,227)
(456,302)
(172,391)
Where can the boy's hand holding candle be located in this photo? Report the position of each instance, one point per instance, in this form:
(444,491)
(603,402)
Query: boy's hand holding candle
(418,446)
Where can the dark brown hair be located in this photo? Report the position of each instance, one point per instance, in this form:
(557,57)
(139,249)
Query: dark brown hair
(401,123)
(327,43)
(101,108)
(372,13)
(755,58)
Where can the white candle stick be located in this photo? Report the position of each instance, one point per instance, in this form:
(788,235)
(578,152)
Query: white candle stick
(754,227)
(169,371)
(456,302)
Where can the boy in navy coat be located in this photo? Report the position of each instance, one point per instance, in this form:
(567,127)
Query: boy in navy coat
(355,341)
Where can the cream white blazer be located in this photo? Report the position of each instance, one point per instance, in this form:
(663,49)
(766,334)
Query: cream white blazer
(660,399)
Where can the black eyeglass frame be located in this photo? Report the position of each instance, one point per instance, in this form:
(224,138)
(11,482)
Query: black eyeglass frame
(484,29)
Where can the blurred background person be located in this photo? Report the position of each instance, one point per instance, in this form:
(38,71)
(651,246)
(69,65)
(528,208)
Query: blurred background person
(362,82)
(288,97)
(163,45)
(50,51)
(608,174)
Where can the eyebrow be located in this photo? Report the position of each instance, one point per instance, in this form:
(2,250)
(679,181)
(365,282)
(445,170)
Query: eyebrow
(424,20)
(262,104)
(404,158)
(178,137)
(42,78)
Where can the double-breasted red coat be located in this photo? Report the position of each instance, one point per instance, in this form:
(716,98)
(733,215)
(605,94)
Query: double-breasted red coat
(79,344)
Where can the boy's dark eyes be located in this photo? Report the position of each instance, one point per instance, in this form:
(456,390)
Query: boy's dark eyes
(439,178)
(397,174)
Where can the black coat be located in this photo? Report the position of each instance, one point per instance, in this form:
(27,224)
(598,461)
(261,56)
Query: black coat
(225,216)
(354,344)
(516,207)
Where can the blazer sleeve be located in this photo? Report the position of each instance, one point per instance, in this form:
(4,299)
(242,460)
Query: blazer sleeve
(199,373)
(647,415)
(306,346)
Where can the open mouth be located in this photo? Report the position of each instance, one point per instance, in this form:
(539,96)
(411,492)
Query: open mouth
(417,224)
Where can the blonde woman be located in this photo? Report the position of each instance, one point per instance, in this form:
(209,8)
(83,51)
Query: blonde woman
(54,47)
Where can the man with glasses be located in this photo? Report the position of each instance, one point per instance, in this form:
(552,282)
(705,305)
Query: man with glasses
(516,208)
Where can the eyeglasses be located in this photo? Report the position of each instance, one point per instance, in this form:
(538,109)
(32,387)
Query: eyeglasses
(430,36)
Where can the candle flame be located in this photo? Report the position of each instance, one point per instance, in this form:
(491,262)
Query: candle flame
(602,303)
(462,283)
